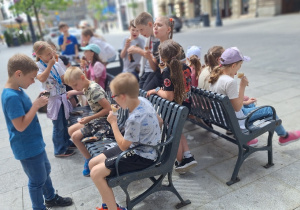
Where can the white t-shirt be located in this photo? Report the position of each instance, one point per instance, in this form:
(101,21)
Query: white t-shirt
(130,66)
(204,78)
(151,43)
(51,84)
(226,85)
(142,127)
(106,50)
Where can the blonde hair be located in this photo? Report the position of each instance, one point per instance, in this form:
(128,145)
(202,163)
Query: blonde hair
(170,23)
(125,83)
(143,19)
(72,74)
(39,47)
(212,56)
(171,52)
(21,62)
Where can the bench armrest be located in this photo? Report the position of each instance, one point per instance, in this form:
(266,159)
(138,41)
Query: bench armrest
(249,115)
(156,147)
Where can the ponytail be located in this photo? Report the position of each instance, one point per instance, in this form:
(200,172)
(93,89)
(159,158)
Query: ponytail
(172,27)
(195,61)
(213,55)
(215,74)
(177,79)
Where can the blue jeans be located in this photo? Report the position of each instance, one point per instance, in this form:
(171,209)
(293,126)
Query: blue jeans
(38,170)
(264,112)
(60,137)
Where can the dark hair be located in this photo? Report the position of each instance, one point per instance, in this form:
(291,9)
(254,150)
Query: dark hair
(171,52)
(131,24)
(64,59)
(212,56)
(88,32)
(195,61)
(61,25)
(96,58)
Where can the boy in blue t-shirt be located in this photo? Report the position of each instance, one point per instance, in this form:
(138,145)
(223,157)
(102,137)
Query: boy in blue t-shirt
(25,135)
(67,42)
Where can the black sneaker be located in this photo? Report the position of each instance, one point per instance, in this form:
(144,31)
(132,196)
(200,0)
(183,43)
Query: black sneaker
(67,153)
(59,201)
(186,165)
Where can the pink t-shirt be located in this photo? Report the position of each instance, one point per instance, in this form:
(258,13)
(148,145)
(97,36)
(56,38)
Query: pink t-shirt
(97,73)
(193,75)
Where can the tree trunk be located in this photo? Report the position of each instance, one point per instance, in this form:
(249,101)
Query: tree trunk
(38,22)
(33,37)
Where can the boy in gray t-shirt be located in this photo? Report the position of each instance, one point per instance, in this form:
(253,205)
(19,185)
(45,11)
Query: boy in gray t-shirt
(132,61)
(141,127)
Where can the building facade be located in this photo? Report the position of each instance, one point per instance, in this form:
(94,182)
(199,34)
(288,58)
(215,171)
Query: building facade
(228,8)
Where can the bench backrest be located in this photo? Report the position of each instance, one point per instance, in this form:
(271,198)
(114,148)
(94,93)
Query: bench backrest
(214,108)
(174,117)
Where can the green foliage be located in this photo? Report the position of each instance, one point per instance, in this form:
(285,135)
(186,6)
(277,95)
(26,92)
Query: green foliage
(97,7)
(8,38)
(134,6)
(22,39)
(28,38)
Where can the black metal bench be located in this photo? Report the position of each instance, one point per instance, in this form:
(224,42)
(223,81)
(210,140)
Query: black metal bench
(217,109)
(174,117)
(115,67)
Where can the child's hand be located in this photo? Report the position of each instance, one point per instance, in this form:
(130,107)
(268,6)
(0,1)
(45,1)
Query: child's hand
(40,102)
(244,81)
(250,101)
(150,92)
(127,43)
(84,120)
(132,49)
(52,61)
(148,54)
(111,118)
(83,64)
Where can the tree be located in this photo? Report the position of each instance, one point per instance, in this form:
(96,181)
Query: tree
(34,7)
(97,8)
(134,6)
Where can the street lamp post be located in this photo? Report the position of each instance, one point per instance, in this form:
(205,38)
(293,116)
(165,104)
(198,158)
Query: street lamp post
(218,16)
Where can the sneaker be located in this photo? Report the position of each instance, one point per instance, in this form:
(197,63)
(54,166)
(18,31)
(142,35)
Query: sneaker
(72,146)
(67,153)
(104,207)
(176,166)
(293,136)
(186,165)
(86,169)
(253,143)
(59,201)
(228,132)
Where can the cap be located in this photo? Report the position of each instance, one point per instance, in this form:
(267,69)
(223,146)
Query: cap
(232,55)
(92,47)
(193,50)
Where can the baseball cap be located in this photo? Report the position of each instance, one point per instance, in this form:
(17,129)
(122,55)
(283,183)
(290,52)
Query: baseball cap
(92,47)
(193,50)
(232,55)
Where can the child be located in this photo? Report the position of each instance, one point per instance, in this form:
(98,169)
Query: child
(132,61)
(144,23)
(193,58)
(88,126)
(222,81)
(96,71)
(25,134)
(108,52)
(57,57)
(212,59)
(67,42)
(141,127)
(176,87)
(51,76)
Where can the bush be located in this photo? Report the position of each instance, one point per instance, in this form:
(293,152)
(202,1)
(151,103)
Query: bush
(22,38)
(28,38)
(8,38)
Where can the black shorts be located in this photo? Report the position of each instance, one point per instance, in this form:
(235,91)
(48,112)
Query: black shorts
(129,162)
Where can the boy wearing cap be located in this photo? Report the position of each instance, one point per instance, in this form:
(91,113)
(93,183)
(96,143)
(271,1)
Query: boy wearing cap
(222,81)
(96,71)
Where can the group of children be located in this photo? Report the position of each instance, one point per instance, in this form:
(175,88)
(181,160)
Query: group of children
(167,72)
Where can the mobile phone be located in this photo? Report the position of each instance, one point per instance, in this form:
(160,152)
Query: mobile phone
(47,94)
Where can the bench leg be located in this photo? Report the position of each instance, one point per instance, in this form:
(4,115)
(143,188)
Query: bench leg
(173,190)
(270,150)
(239,162)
